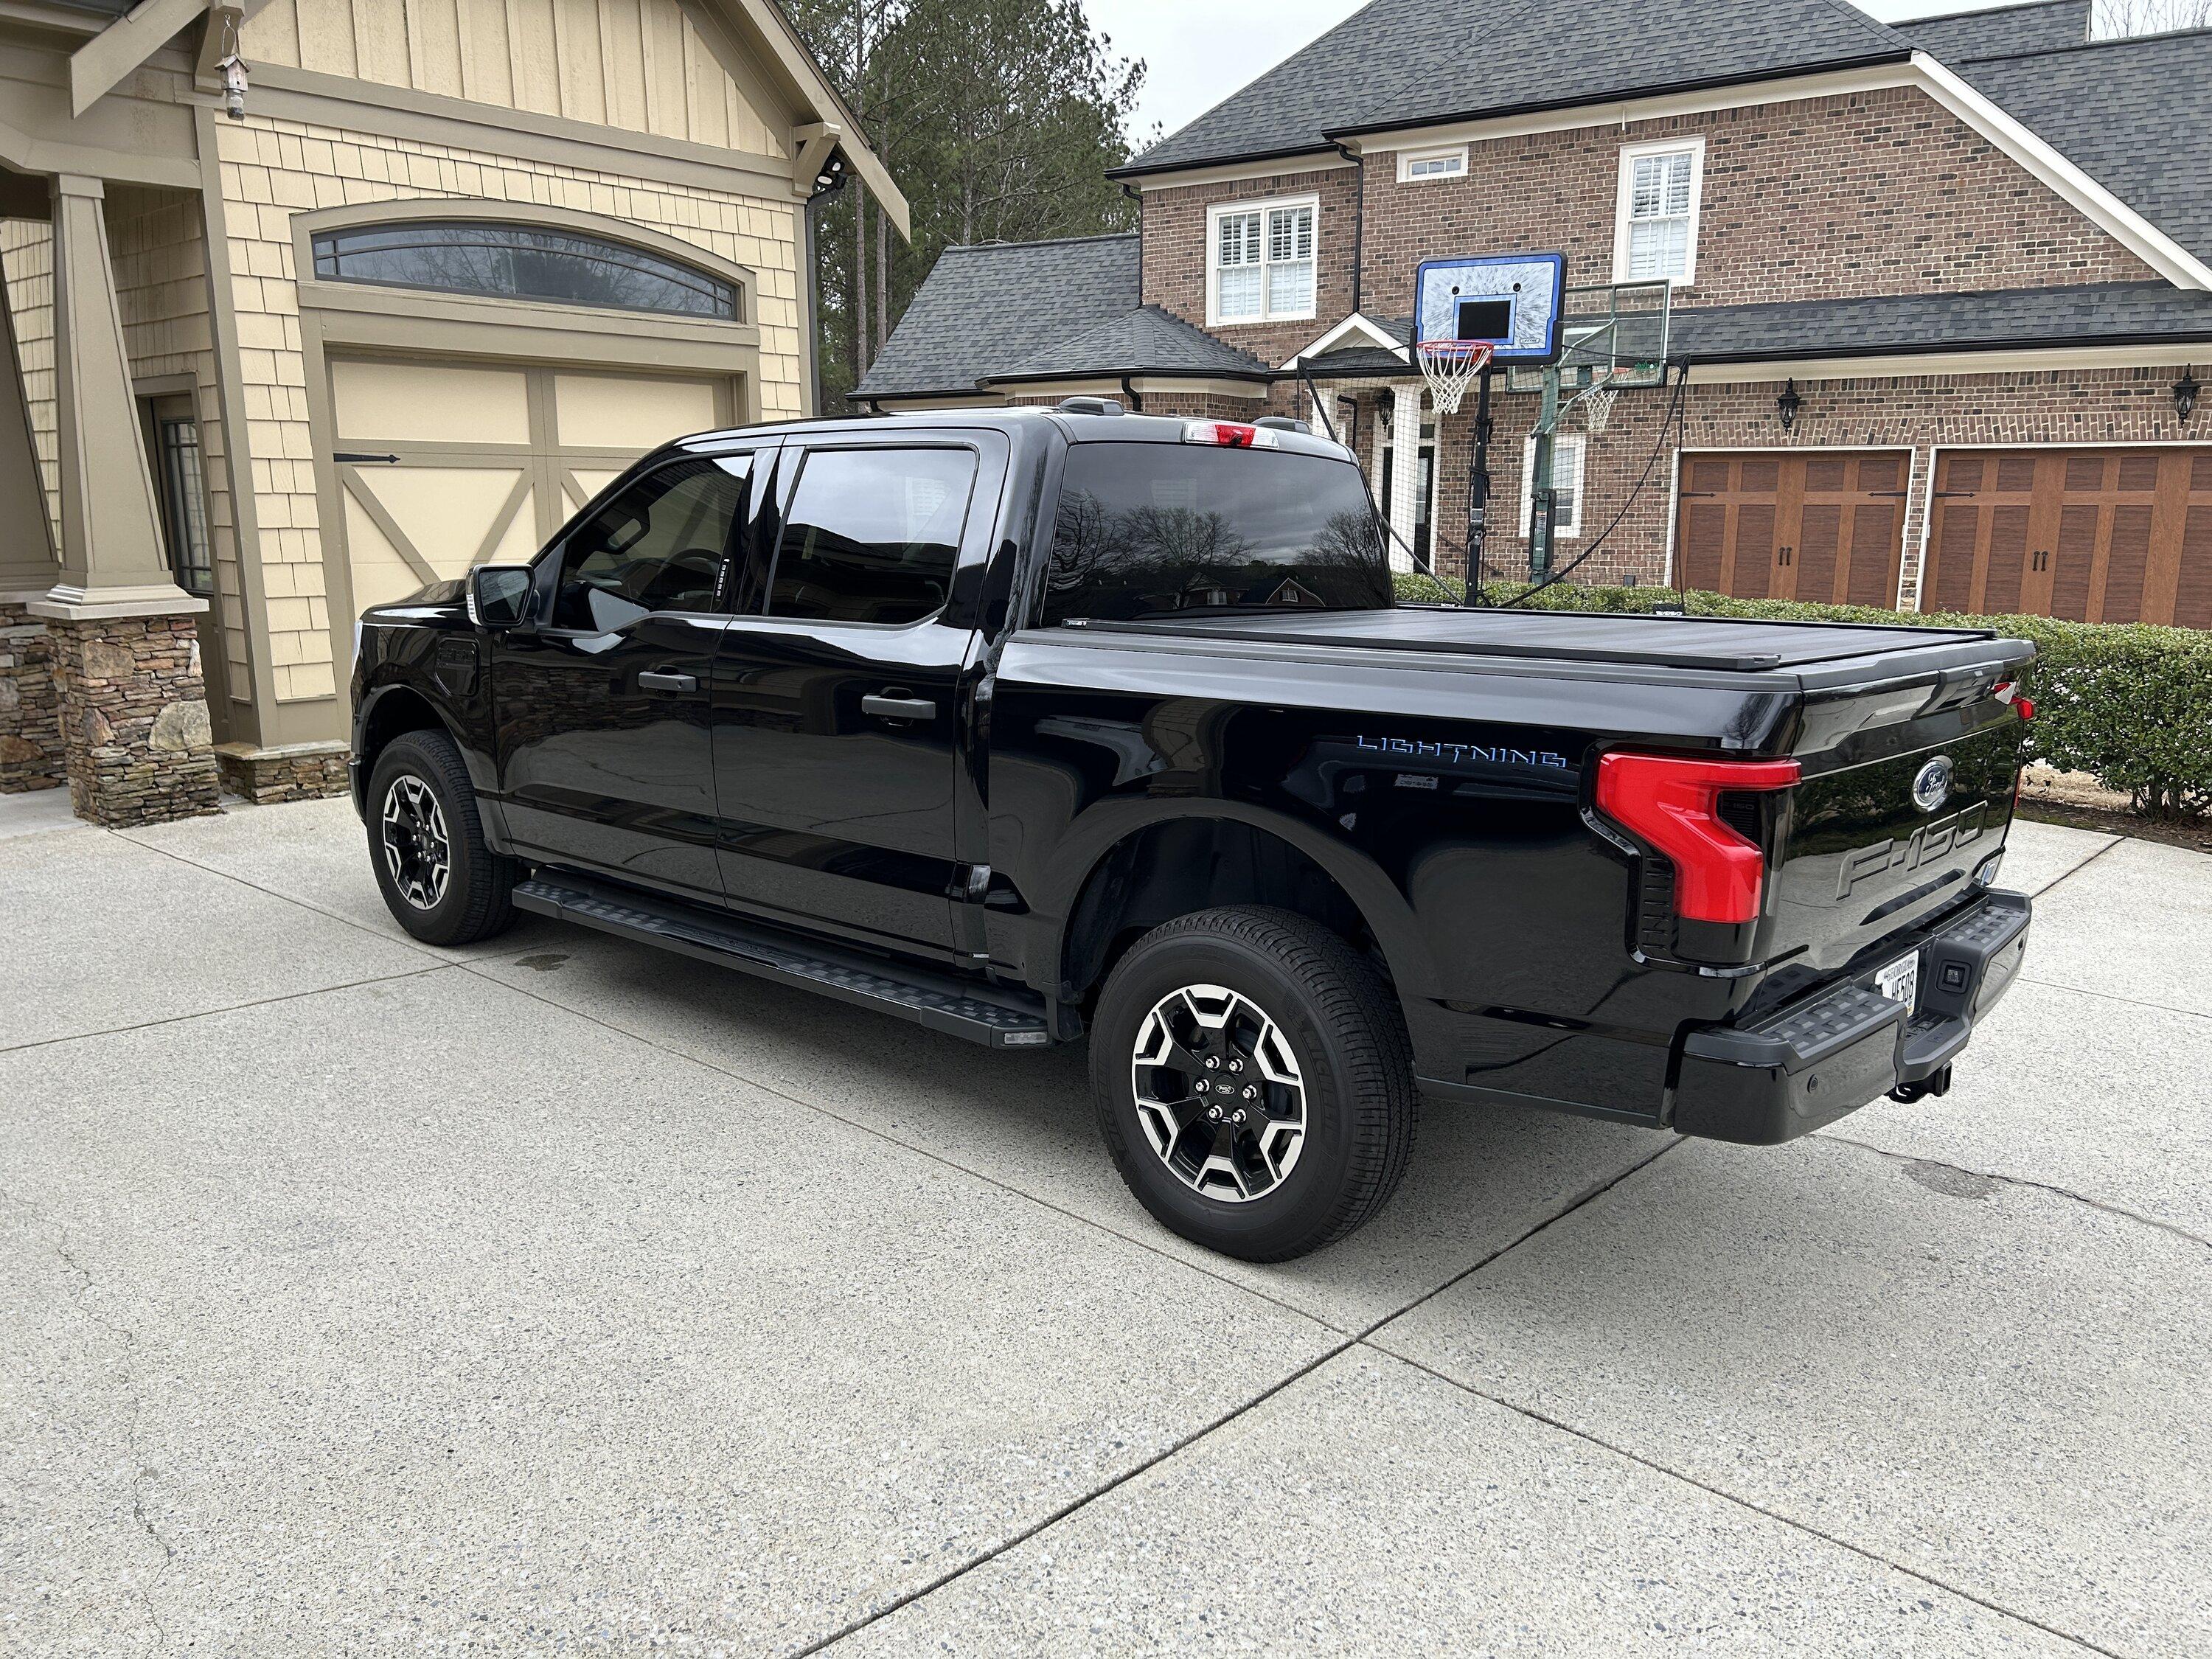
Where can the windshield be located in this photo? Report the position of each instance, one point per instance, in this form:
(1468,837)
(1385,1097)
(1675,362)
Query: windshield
(1156,529)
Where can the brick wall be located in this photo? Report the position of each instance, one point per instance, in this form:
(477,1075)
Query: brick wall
(271,169)
(1175,252)
(1862,193)
(1921,412)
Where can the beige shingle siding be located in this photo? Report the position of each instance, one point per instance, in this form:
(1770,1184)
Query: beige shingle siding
(161,290)
(26,253)
(638,64)
(272,168)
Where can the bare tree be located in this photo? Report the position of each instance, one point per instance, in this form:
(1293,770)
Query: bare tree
(2116,20)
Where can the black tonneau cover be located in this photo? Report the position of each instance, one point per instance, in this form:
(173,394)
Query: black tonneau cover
(1723,644)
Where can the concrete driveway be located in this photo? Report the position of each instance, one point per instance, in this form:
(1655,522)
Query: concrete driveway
(558,1296)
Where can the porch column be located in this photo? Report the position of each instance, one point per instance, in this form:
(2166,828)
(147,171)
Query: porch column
(30,723)
(133,715)
(1405,471)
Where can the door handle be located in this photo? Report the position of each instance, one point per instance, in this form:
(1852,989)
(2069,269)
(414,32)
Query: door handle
(898,709)
(650,680)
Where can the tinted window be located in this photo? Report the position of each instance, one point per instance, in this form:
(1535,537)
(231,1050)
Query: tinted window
(657,544)
(873,535)
(522,261)
(1150,529)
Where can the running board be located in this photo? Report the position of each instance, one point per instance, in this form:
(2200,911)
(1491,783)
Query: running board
(993,1014)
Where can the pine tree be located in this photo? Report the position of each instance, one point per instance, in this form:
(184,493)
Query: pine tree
(997,117)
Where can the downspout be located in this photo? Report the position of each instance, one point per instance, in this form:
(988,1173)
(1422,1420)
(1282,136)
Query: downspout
(1129,391)
(1359,226)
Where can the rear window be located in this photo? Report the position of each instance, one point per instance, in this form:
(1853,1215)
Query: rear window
(1159,530)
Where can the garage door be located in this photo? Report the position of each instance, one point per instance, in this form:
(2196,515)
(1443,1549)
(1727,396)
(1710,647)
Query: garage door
(442,465)
(1828,527)
(2093,535)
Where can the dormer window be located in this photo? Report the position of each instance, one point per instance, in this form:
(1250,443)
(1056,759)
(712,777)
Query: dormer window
(1261,264)
(1656,234)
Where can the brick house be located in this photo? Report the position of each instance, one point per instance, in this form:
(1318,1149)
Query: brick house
(1937,290)
(457,262)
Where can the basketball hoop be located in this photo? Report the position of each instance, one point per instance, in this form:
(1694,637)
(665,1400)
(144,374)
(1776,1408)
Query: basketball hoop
(1449,367)
(1597,402)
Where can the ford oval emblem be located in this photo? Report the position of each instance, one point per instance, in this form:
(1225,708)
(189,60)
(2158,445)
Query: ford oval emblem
(1932,785)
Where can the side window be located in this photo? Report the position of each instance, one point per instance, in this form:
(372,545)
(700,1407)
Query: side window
(660,544)
(873,535)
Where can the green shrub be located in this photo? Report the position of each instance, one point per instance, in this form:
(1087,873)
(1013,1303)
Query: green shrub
(2129,703)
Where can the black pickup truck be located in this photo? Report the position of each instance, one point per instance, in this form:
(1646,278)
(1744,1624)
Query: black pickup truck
(1031,726)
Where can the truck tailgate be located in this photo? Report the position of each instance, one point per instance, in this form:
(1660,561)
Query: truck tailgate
(1892,824)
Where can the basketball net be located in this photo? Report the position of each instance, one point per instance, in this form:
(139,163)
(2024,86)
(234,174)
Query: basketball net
(1597,402)
(1449,367)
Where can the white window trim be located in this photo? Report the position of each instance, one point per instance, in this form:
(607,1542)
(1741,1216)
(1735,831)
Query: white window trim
(1442,153)
(1629,154)
(1568,526)
(1260,206)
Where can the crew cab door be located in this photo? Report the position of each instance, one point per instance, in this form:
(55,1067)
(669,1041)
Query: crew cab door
(601,707)
(837,724)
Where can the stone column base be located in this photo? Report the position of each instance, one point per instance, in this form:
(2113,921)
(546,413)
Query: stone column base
(134,718)
(297,771)
(30,712)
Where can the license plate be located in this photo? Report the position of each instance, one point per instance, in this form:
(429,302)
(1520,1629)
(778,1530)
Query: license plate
(1901,980)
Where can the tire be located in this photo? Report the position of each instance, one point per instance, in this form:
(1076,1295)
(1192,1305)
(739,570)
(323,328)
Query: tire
(472,898)
(1272,1194)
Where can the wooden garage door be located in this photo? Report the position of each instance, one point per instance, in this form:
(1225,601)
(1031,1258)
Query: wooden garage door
(2092,535)
(1827,526)
(442,465)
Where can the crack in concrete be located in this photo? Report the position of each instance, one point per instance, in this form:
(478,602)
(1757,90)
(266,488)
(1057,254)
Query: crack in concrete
(141,1471)
(2002,1179)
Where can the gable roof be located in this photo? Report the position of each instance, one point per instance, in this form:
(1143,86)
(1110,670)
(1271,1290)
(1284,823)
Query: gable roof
(985,309)
(2037,26)
(2131,113)
(1144,341)
(1404,62)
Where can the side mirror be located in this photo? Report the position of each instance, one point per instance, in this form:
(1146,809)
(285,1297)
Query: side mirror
(499,594)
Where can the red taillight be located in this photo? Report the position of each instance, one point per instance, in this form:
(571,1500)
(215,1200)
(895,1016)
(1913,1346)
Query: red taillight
(2008,691)
(1673,805)
(1228,435)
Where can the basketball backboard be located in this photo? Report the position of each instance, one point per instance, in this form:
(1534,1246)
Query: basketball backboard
(1511,301)
(1610,332)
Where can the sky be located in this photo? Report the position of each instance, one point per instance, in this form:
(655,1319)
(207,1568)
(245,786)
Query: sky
(1198,54)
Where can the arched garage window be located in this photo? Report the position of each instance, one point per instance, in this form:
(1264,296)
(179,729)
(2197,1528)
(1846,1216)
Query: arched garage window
(523,262)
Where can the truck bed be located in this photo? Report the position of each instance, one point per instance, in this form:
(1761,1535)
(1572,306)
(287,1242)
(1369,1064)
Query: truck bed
(1714,644)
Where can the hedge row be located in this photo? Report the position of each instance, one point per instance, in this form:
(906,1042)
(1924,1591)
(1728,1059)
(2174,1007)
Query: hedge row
(2129,702)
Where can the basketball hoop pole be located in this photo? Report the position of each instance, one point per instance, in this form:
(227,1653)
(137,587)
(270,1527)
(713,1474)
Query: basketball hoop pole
(1478,488)
(1543,498)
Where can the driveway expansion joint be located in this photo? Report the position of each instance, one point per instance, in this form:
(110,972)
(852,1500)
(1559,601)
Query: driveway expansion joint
(1908,1158)
(1727,1497)
(1357,1339)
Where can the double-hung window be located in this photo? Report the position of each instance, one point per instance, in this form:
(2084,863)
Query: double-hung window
(1566,485)
(1263,260)
(1656,235)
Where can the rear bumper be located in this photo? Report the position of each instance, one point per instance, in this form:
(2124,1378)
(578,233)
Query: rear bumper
(1837,1048)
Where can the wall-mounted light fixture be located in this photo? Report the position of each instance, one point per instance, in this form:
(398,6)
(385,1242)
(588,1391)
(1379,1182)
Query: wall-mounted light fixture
(2184,393)
(1788,405)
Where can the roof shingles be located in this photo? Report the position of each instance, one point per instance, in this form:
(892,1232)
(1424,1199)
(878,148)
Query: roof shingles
(1400,62)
